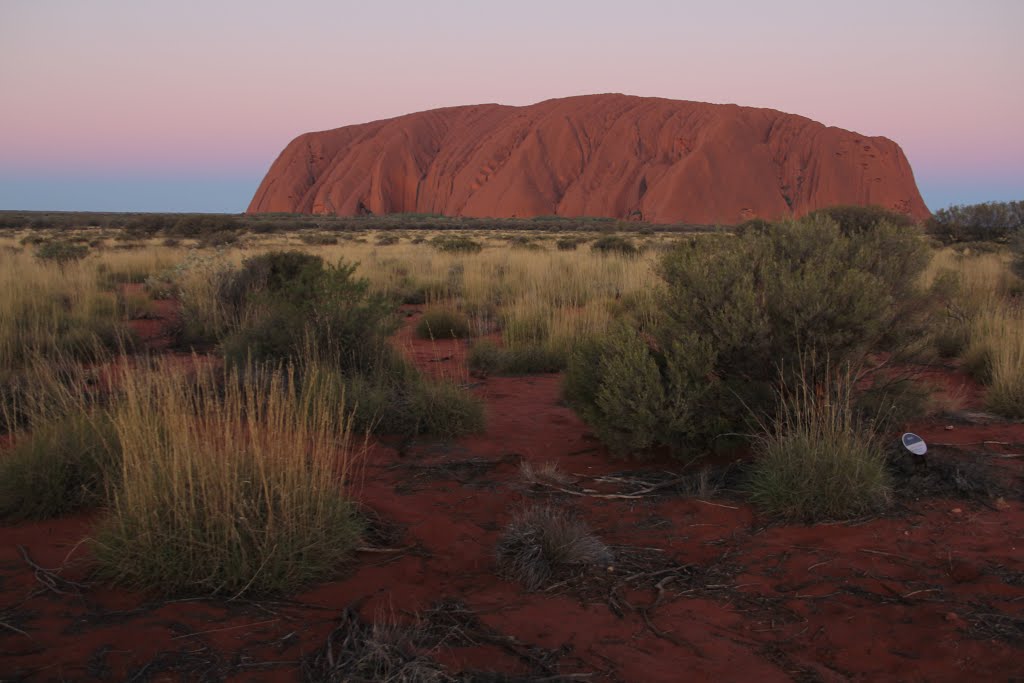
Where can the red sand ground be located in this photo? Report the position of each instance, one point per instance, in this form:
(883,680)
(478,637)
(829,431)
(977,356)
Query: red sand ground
(933,592)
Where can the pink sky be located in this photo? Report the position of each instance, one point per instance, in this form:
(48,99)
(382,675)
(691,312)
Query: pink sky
(215,89)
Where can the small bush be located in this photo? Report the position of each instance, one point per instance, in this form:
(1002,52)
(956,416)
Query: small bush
(615,244)
(400,401)
(61,252)
(487,358)
(444,409)
(318,240)
(542,541)
(290,305)
(387,240)
(456,244)
(817,460)
(764,301)
(856,220)
(634,396)
(65,464)
(442,323)
(523,242)
(569,243)
(218,240)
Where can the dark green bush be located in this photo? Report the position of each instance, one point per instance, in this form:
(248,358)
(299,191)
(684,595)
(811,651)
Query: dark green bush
(569,243)
(387,240)
(456,244)
(318,240)
(636,396)
(61,251)
(395,399)
(738,312)
(63,465)
(764,300)
(987,222)
(217,240)
(855,220)
(523,242)
(293,305)
(487,358)
(615,244)
(758,225)
(443,323)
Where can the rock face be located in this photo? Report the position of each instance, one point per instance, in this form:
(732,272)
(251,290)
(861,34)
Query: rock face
(651,159)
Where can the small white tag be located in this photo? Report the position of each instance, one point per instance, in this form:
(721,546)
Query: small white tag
(914,444)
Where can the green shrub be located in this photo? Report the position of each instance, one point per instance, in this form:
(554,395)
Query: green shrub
(487,358)
(293,305)
(635,396)
(442,323)
(456,244)
(614,244)
(764,300)
(816,460)
(387,240)
(399,401)
(318,240)
(987,222)
(523,242)
(65,464)
(61,251)
(569,243)
(758,225)
(443,409)
(734,314)
(856,220)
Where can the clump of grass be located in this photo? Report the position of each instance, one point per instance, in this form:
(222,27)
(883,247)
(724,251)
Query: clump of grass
(817,460)
(382,651)
(48,310)
(63,465)
(229,485)
(545,474)
(443,323)
(542,541)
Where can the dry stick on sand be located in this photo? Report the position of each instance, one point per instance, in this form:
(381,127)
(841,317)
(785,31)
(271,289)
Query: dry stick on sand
(50,578)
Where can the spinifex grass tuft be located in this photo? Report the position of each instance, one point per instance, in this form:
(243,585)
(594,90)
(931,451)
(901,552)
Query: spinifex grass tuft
(541,541)
(230,485)
(817,461)
(1006,392)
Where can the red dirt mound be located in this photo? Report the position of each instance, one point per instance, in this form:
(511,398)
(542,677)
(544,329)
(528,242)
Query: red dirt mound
(651,159)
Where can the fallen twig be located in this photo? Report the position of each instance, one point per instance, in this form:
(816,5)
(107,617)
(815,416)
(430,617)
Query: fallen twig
(226,628)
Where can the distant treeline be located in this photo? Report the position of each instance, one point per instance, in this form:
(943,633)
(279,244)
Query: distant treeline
(987,222)
(205,224)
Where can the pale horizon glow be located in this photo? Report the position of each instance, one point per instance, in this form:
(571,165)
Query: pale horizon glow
(118,105)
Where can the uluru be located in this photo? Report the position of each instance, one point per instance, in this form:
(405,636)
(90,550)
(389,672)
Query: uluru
(618,156)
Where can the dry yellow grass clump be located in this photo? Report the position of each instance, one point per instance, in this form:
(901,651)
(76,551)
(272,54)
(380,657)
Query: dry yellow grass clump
(230,483)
